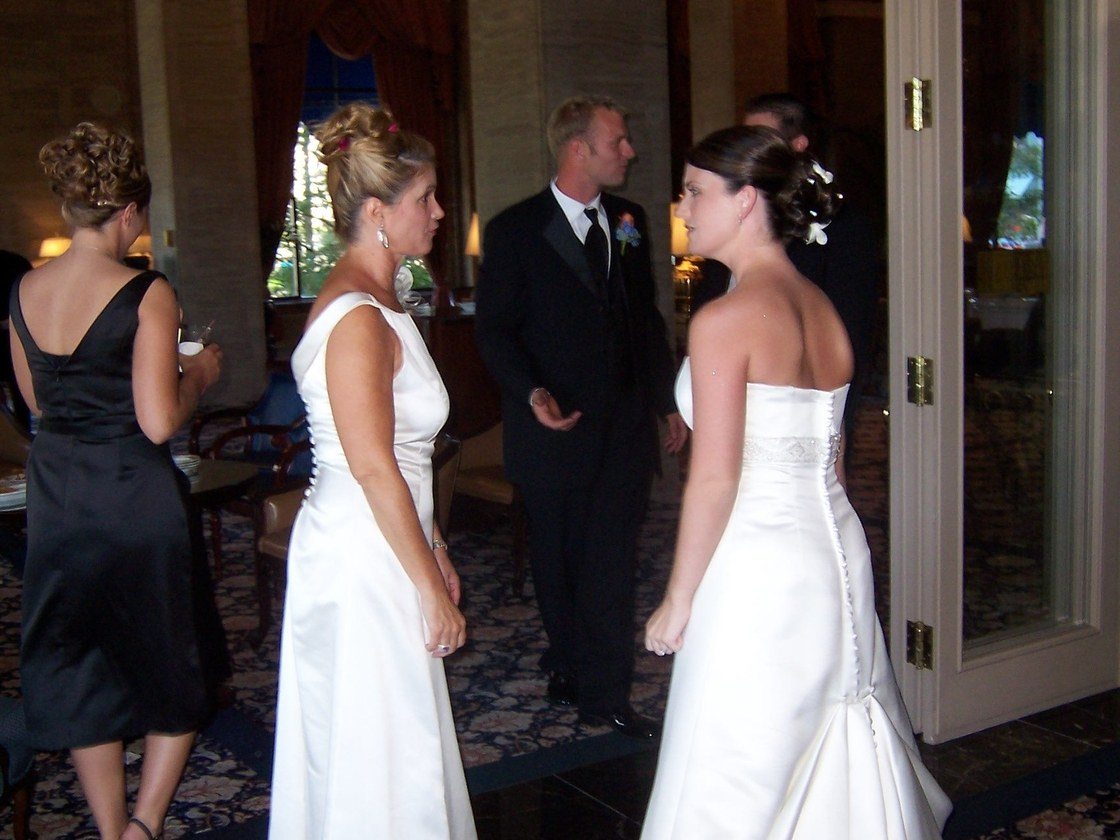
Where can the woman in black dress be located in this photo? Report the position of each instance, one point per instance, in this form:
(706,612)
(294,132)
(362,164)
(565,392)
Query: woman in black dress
(109,649)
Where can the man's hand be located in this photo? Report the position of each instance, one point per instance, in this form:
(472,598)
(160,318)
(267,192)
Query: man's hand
(548,414)
(676,435)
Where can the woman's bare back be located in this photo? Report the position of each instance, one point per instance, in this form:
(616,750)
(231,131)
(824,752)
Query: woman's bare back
(785,328)
(61,300)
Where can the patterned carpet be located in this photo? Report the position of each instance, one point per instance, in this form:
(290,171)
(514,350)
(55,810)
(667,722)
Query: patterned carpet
(1089,817)
(498,694)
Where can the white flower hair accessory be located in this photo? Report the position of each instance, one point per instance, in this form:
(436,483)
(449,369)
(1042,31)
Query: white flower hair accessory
(816,233)
(822,173)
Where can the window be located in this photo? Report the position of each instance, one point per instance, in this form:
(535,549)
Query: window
(309,247)
(1021,221)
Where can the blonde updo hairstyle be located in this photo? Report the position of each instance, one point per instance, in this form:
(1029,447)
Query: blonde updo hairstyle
(796,194)
(367,156)
(96,171)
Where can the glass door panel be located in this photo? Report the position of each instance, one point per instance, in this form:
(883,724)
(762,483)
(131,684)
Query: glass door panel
(1012,582)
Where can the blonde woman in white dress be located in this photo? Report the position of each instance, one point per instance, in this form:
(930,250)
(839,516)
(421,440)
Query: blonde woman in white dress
(784,719)
(365,741)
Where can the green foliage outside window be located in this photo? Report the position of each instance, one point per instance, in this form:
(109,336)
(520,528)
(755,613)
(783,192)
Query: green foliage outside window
(309,247)
(1022,222)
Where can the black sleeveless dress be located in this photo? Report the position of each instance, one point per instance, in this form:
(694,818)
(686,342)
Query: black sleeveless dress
(109,650)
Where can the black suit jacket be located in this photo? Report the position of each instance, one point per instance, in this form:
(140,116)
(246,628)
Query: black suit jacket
(540,322)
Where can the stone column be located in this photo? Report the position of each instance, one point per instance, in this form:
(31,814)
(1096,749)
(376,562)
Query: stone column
(196,95)
(739,50)
(529,55)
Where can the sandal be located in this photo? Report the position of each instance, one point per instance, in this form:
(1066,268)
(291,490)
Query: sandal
(144,828)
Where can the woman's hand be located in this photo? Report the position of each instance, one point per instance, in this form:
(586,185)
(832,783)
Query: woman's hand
(447,628)
(206,365)
(665,628)
(450,576)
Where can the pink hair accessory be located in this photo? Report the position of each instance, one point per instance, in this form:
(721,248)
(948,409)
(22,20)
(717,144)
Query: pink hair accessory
(344,144)
(394,128)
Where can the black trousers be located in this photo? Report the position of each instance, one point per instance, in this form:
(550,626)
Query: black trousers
(582,543)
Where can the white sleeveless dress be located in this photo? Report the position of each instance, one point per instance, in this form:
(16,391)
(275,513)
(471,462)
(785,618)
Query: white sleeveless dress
(365,741)
(784,719)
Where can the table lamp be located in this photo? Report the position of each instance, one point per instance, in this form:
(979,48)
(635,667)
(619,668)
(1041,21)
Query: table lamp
(686,270)
(53,246)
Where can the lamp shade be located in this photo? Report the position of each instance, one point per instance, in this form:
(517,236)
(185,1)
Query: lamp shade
(142,245)
(473,247)
(53,246)
(679,233)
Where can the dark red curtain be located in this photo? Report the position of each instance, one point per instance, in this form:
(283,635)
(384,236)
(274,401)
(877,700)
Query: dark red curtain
(413,46)
(278,32)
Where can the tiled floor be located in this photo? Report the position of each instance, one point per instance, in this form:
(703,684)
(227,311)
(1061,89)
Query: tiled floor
(608,800)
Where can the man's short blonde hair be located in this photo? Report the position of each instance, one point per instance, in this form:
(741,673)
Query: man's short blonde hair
(572,118)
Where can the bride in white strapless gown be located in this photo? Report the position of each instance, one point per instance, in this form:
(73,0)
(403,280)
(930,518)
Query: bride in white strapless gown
(784,719)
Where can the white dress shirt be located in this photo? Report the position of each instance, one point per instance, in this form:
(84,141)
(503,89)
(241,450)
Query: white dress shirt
(573,212)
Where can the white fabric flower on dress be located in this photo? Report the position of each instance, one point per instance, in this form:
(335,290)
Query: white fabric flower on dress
(403,286)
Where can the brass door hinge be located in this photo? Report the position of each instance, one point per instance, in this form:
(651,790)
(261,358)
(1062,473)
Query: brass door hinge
(919,645)
(919,104)
(919,380)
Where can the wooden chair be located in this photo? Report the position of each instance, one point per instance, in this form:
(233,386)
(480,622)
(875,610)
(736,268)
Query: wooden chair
(15,439)
(481,475)
(272,434)
(276,514)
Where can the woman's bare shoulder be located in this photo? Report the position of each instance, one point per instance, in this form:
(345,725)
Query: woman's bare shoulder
(362,329)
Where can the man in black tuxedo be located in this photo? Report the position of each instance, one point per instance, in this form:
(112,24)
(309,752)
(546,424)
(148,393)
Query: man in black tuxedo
(845,267)
(567,324)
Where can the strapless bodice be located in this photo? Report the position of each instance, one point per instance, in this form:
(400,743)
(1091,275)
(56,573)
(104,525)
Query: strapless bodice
(784,424)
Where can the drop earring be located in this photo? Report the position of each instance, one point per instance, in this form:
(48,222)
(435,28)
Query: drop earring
(382,238)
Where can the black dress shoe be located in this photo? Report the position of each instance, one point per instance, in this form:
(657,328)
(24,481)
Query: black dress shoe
(624,720)
(562,688)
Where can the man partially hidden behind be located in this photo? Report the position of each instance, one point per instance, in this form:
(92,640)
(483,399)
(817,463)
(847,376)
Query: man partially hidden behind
(841,258)
(568,326)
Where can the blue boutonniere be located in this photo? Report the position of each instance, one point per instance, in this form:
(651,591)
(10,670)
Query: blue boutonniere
(626,232)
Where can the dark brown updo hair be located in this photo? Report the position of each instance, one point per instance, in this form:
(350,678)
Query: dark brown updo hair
(96,171)
(367,155)
(796,194)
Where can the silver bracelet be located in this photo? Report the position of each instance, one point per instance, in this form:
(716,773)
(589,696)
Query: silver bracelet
(439,545)
(533,392)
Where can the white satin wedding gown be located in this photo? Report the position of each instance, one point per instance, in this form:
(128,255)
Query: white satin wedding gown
(784,719)
(365,741)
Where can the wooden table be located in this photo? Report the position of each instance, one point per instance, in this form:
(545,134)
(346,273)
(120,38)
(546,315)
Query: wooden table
(219,481)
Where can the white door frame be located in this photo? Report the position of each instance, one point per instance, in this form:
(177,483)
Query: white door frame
(965,693)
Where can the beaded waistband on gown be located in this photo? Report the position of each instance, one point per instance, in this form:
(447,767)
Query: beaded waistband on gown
(791,450)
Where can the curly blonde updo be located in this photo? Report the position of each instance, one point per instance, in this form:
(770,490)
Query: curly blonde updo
(96,171)
(367,156)
(797,195)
